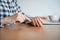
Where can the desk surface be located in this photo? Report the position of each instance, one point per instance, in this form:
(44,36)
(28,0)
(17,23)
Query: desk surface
(23,32)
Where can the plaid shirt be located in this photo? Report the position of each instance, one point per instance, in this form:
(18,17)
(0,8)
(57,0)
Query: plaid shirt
(8,8)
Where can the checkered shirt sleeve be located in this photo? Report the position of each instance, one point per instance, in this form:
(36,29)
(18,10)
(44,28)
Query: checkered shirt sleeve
(8,8)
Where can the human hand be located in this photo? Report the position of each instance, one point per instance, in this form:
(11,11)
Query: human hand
(18,17)
(39,21)
(21,18)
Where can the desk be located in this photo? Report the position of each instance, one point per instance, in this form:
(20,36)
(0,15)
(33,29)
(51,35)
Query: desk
(27,32)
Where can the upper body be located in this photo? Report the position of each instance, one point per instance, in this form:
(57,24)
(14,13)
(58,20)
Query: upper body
(10,8)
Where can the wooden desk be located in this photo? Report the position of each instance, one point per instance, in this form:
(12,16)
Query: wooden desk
(27,32)
(22,32)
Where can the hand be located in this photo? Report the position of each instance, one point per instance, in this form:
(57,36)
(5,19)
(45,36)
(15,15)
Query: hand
(18,17)
(37,21)
(21,18)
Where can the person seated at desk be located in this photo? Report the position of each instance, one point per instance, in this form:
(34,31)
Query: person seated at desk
(10,8)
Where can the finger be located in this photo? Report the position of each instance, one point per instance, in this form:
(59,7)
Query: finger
(33,21)
(39,22)
(27,18)
(19,19)
(23,18)
(36,21)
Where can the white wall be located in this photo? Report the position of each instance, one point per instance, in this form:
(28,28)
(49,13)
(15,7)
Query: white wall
(40,7)
(54,7)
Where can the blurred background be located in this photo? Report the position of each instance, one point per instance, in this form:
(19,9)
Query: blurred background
(40,7)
